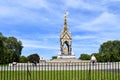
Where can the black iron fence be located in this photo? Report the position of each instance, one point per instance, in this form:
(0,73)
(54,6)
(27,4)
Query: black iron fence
(61,71)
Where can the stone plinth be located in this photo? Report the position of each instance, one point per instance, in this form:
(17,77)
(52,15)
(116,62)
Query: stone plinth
(66,57)
(67,61)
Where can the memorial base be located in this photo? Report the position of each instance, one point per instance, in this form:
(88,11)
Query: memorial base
(66,57)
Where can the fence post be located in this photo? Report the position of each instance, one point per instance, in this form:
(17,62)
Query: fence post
(89,75)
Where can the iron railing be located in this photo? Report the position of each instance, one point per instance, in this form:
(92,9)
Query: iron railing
(61,71)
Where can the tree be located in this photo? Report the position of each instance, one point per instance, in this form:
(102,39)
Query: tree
(10,49)
(33,58)
(1,34)
(84,57)
(2,51)
(23,59)
(15,47)
(54,57)
(110,51)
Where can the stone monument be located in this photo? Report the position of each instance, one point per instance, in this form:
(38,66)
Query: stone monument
(66,55)
(65,42)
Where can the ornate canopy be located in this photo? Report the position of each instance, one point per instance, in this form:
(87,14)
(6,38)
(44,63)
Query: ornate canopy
(65,39)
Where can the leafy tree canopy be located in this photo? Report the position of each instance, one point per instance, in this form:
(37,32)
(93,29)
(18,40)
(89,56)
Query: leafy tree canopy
(33,58)
(85,57)
(54,57)
(110,51)
(10,49)
(23,59)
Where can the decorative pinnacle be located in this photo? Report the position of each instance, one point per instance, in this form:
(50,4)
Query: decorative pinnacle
(65,21)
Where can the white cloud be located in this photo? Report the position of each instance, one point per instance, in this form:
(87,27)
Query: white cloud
(37,4)
(20,11)
(78,37)
(81,4)
(8,11)
(103,18)
(37,44)
(112,0)
(103,22)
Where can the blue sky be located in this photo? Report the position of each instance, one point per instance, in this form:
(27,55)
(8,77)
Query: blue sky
(37,23)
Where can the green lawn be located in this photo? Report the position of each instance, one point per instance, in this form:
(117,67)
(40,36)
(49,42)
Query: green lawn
(59,75)
(4,64)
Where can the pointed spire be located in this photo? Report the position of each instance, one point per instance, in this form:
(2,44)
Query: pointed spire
(65,21)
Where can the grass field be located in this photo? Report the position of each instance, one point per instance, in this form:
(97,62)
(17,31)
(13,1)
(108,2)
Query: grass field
(59,75)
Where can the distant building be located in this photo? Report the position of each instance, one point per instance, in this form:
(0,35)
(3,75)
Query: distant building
(42,59)
(93,59)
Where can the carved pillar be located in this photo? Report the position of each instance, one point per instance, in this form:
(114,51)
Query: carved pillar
(69,50)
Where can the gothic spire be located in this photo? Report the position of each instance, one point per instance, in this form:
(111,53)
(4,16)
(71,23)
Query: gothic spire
(65,21)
